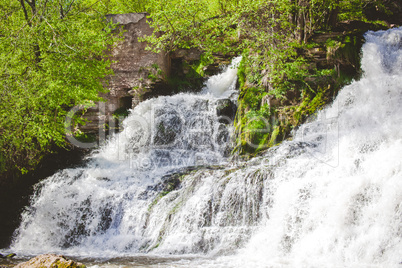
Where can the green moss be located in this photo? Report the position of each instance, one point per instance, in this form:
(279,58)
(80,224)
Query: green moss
(122,112)
(66,264)
(259,127)
(171,186)
(297,86)
(230,171)
(157,198)
(175,208)
(85,137)
(309,106)
(152,77)
(154,202)
(255,127)
(241,73)
(250,98)
(274,136)
(154,72)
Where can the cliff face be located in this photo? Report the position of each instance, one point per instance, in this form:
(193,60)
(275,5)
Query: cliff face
(140,74)
(331,60)
(133,65)
(135,71)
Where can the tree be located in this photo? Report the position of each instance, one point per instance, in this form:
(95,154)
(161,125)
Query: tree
(272,37)
(120,6)
(52,57)
(207,25)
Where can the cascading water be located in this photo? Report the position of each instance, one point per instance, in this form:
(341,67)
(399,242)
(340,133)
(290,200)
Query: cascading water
(331,197)
(106,205)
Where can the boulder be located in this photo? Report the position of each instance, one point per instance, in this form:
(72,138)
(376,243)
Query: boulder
(226,109)
(50,261)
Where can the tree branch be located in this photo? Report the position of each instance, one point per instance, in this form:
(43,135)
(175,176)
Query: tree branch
(32,4)
(69,7)
(171,25)
(64,12)
(25,12)
(61,11)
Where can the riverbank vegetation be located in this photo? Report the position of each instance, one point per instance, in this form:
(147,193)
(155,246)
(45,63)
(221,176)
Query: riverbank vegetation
(53,57)
(286,74)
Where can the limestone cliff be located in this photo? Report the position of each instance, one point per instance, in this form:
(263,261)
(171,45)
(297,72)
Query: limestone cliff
(139,73)
(135,70)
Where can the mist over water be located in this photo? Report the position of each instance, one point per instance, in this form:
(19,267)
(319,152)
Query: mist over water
(332,197)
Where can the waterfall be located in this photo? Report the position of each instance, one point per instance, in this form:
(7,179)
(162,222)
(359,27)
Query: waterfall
(331,197)
(106,205)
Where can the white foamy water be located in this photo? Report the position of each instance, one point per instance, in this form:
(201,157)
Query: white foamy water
(332,197)
(104,207)
(223,84)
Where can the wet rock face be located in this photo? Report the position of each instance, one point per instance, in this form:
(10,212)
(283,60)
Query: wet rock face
(132,63)
(50,261)
(135,70)
(170,123)
(139,74)
(226,109)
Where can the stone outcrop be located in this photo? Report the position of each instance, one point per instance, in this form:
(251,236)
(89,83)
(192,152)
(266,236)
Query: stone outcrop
(340,48)
(226,109)
(50,261)
(135,70)
(139,74)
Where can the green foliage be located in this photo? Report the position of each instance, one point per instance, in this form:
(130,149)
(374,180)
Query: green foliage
(152,77)
(120,6)
(51,58)
(251,97)
(353,9)
(154,73)
(200,66)
(207,25)
(85,137)
(122,112)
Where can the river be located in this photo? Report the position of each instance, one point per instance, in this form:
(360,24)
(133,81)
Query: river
(165,193)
